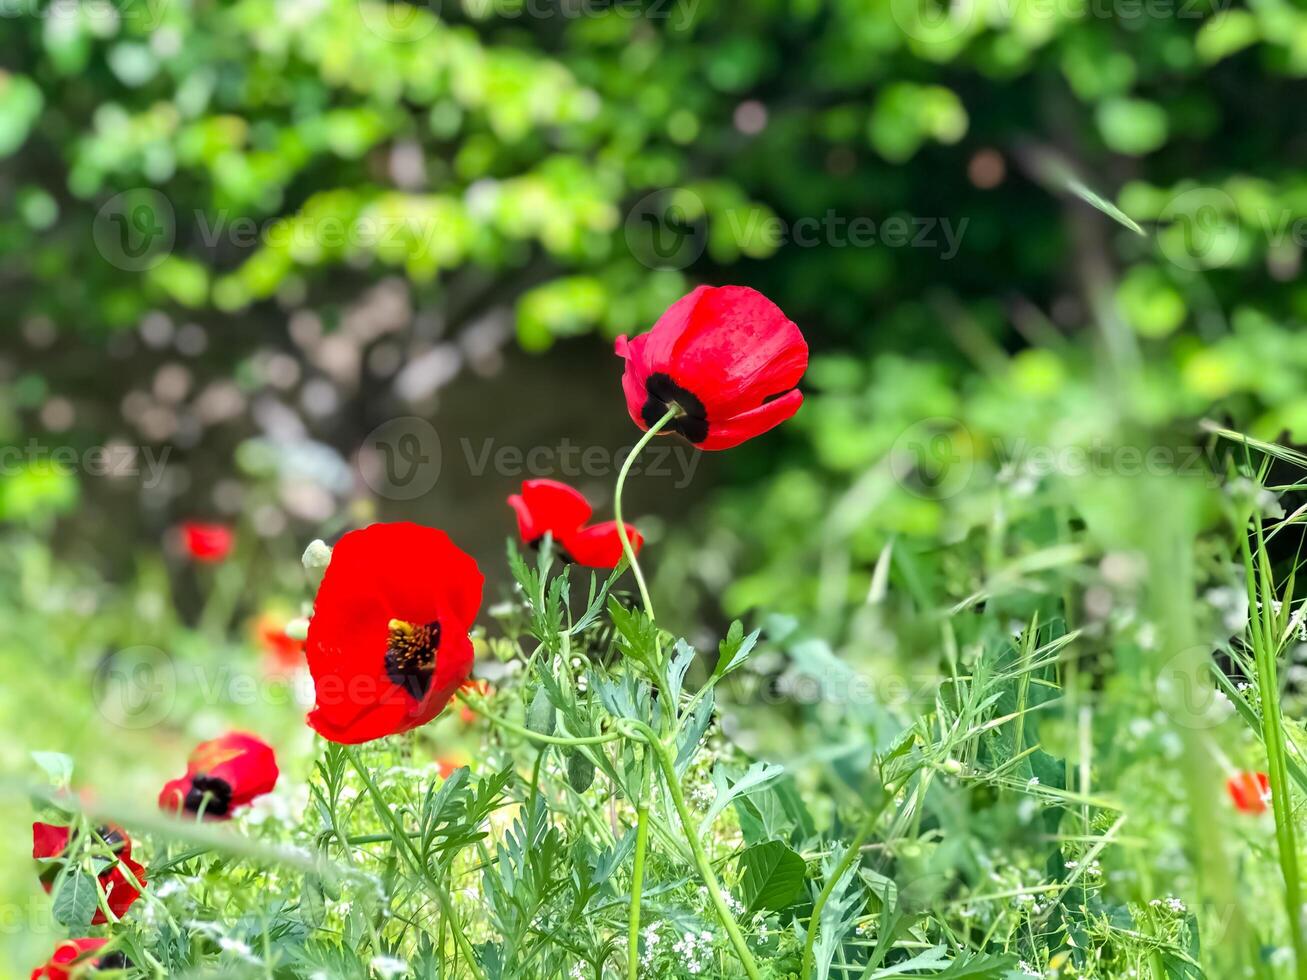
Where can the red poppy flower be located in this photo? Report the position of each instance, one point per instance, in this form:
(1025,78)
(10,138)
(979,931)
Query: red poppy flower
(1249,791)
(284,653)
(388,643)
(52,840)
(222,775)
(726,356)
(547,506)
(207,542)
(72,957)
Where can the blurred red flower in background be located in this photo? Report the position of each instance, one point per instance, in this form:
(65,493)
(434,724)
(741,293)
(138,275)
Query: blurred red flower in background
(207,542)
(726,356)
(479,687)
(1249,791)
(388,643)
(549,507)
(282,653)
(73,956)
(52,840)
(222,775)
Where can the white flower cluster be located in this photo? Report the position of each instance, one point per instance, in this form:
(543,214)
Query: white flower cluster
(388,967)
(695,951)
(651,939)
(1170,903)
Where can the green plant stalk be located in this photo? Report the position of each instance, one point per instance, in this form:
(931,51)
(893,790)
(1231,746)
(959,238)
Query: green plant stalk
(1264,652)
(415,859)
(642,804)
(526,733)
(637,883)
(617,506)
(851,855)
(667,764)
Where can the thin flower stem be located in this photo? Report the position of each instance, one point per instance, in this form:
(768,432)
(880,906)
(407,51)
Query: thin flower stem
(851,855)
(415,859)
(537,736)
(639,730)
(617,506)
(637,884)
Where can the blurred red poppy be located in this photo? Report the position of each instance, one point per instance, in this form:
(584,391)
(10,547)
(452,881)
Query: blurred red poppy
(447,764)
(1249,791)
(283,653)
(206,542)
(51,841)
(388,643)
(479,687)
(72,957)
(726,357)
(549,507)
(222,775)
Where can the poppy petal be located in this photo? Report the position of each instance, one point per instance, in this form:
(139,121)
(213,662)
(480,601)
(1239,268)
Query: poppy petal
(600,546)
(69,953)
(656,349)
(48,840)
(120,893)
(738,350)
(745,426)
(548,506)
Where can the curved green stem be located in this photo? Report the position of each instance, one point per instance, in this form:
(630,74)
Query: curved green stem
(851,855)
(415,859)
(509,726)
(668,766)
(617,506)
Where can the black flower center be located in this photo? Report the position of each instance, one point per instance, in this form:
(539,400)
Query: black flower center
(209,792)
(411,656)
(113,961)
(559,551)
(112,836)
(664,395)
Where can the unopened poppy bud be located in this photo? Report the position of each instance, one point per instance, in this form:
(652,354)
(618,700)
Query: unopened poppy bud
(316,555)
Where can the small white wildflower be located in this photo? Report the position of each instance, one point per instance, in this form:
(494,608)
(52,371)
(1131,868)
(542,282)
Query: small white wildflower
(388,966)
(234,946)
